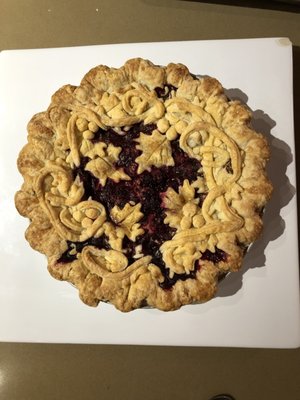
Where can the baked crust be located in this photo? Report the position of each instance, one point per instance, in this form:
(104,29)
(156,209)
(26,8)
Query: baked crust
(211,215)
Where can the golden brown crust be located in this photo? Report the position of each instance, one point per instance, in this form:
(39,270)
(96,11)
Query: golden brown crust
(208,127)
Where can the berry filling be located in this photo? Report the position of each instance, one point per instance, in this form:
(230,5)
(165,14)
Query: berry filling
(76,247)
(228,167)
(147,188)
(216,257)
(165,92)
(168,283)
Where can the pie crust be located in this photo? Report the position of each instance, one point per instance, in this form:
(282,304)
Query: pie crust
(144,185)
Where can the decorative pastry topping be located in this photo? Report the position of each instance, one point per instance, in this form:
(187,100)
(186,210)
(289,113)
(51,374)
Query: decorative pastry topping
(156,151)
(143,185)
(102,164)
(127,218)
(180,259)
(182,208)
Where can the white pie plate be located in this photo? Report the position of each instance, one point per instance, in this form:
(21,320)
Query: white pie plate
(256,307)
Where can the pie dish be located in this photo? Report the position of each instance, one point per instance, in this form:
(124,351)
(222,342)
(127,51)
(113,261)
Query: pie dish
(144,185)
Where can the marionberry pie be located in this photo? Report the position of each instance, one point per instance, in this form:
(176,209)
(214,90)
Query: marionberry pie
(143,185)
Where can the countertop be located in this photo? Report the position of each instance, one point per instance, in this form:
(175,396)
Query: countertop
(47,371)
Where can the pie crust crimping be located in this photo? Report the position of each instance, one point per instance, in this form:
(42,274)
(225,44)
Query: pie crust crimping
(143,186)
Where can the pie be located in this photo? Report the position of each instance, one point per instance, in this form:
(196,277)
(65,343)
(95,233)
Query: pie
(144,185)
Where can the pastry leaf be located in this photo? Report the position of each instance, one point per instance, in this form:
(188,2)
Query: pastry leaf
(156,151)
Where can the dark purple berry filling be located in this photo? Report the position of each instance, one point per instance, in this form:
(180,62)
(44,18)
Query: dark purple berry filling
(201,197)
(147,188)
(100,243)
(216,257)
(168,283)
(165,92)
(228,167)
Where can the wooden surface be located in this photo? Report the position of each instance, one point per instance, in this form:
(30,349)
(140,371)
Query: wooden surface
(38,371)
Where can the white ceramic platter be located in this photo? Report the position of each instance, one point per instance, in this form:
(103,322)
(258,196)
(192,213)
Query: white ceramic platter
(257,307)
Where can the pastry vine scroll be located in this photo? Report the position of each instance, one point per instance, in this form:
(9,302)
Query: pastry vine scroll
(196,226)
